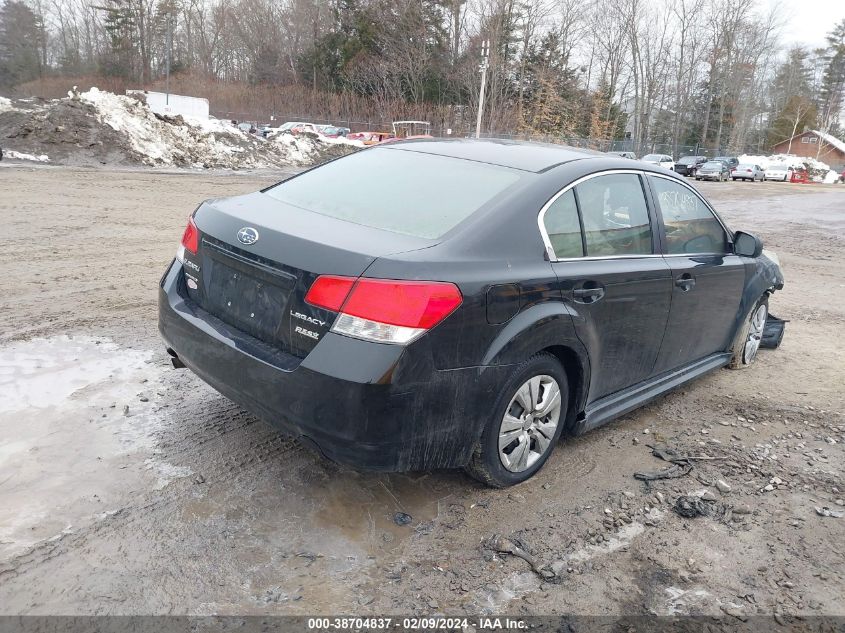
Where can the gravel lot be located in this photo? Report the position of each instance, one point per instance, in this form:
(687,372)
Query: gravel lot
(130,488)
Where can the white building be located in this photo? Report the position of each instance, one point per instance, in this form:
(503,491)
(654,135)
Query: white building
(171,104)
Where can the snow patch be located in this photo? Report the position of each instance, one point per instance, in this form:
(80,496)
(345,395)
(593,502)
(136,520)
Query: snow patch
(61,371)
(6,104)
(9,153)
(166,473)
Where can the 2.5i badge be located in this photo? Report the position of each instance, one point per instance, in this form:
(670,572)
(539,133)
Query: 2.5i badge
(308,333)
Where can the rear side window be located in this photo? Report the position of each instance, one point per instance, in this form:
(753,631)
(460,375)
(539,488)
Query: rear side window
(563,227)
(615,215)
(407,192)
(690,225)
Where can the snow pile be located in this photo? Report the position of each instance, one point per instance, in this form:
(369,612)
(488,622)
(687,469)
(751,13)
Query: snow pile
(5,104)
(162,141)
(101,128)
(830,177)
(792,160)
(306,149)
(750,159)
(8,153)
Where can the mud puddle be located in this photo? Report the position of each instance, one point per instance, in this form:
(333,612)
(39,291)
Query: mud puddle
(379,512)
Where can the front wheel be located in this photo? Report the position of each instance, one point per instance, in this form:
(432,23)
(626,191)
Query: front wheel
(525,425)
(747,342)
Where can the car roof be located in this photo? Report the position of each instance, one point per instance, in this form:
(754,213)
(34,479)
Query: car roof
(523,155)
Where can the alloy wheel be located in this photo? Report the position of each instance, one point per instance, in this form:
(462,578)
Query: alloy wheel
(529,423)
(755,334)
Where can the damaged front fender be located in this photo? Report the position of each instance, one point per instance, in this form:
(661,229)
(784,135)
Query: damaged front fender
(769,269)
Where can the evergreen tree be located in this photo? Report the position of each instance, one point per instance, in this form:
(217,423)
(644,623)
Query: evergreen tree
(833,83)
(19,37)
(119,24)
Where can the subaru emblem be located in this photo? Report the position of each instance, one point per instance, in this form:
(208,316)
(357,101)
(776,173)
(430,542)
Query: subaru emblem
(248,235)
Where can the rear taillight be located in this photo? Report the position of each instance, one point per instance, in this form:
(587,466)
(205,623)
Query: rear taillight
(190,240)
(384,310)
(329,292)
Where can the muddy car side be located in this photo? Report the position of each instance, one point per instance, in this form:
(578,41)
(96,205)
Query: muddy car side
(554,330)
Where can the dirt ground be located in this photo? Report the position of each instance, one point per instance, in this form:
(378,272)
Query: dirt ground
(129,488)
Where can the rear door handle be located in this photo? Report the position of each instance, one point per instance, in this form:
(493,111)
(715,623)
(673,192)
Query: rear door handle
(590,292)
(685,282)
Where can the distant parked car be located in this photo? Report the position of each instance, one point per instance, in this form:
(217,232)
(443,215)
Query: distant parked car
(800,174)
(249,128)
(285,127)
(688,165)
(370,138)
(304,128)
(333,131)
(778,171)
(713,170)
(630,155)
(661,160)
(748,171)
(730,161)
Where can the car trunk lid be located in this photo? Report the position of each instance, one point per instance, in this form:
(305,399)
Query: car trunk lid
(259,287)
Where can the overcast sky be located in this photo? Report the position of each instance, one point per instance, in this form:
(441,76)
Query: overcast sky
(808,21)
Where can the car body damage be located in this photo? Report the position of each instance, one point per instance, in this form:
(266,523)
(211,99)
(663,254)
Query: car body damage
(391,334)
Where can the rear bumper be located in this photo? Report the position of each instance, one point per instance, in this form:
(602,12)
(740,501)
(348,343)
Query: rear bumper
(367,405)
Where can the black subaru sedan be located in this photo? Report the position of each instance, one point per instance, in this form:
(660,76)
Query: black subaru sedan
(447,304)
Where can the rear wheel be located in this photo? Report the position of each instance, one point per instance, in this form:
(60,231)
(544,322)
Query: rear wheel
(747,342)
(525,425)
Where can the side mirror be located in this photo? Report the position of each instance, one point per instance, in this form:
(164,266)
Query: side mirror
(747,245)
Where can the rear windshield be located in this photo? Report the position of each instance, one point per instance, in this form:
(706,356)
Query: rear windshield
(778,166)
(657,157)
(407,192)
(687,160)
(714,164)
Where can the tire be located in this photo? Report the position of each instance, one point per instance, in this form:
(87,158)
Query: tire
(533,380)
(747,341)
